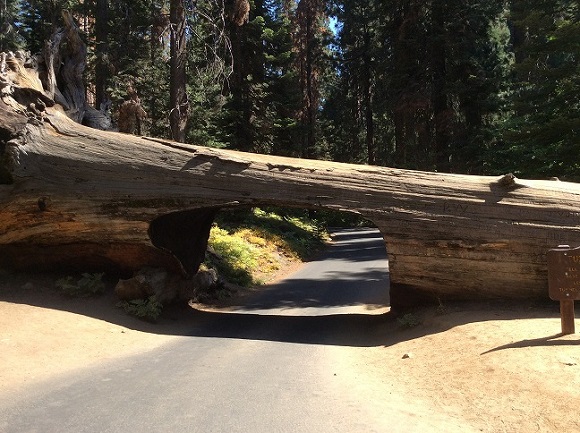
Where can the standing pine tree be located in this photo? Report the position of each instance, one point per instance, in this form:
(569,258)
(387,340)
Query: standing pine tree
(135,44)
(209,60)
(10,37)
(178,101)
(101,50)
(419,83)
(246,84)
(262,90)
(283,98)
(544,133)
(309,49)
(477,67)
(406,84)
(350,109)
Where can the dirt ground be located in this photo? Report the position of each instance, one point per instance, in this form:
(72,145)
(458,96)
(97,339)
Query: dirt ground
(488,366)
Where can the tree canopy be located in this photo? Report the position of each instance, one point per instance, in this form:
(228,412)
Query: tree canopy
(478,87)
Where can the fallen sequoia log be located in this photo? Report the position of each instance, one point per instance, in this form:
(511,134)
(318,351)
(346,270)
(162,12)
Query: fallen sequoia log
(75,196)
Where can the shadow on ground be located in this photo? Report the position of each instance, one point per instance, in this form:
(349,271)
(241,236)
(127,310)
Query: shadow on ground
(356,330)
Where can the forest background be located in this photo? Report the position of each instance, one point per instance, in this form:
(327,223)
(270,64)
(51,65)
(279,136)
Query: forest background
(475,87)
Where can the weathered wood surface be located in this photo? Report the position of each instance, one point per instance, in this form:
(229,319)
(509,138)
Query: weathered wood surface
(74,195)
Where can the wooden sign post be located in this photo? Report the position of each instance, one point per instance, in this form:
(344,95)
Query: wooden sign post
(564,282)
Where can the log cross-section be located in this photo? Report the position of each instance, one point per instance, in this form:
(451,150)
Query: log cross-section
(74,195)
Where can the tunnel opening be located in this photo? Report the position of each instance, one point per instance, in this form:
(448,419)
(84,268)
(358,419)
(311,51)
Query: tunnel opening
(184,234)
(258,251)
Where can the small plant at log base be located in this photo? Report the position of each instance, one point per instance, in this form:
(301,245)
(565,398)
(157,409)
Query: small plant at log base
(147,309)
(216,292)
(408,321)
(87,285)
(441,308)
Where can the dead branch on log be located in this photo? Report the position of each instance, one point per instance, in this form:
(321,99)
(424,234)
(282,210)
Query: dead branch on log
(63,61)
(131,114)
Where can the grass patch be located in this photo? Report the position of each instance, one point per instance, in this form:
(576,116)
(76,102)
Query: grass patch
(252,244)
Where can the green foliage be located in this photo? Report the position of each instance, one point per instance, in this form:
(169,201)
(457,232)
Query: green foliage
(146,309)
(240,257)
(209,66)
(137,58)
(327,218)
(11,38)
(418,84)
(349,122)
(87,285)
(473,87)
(409,321)
(542,138)
(247,242)
(38,19)
(299,231)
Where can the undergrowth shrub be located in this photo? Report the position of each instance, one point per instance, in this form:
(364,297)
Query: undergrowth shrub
(409,320)
(148,309)
(86,285)
(248,243)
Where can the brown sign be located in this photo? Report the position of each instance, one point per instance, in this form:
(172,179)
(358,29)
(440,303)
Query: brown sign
(564,273)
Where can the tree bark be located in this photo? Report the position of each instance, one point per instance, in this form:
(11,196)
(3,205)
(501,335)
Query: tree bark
(71,195)
(368,99)
(63,64)
(101,67)
(442,112)
(307,48)
(178,93)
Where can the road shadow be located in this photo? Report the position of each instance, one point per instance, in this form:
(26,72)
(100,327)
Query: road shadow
(336,290)
(184,320)
(356,330)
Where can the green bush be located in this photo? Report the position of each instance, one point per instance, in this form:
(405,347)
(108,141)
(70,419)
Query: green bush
(249,241)
(238,256)
(330,218)
(409,320)
(87,285)
(147,309)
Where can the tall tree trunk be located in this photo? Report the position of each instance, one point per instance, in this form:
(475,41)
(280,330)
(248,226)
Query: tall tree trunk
(311,99)
(101,68)
(239,86)
(179,104)
(307,14)
(159,25)
(399,109)
(244,55)
(400,154)
(368,99)
(441,110)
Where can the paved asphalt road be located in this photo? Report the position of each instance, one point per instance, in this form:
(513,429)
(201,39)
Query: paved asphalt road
(271,365)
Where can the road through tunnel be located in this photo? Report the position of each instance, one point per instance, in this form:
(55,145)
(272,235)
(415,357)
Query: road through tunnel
(349,274)
(349,277)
